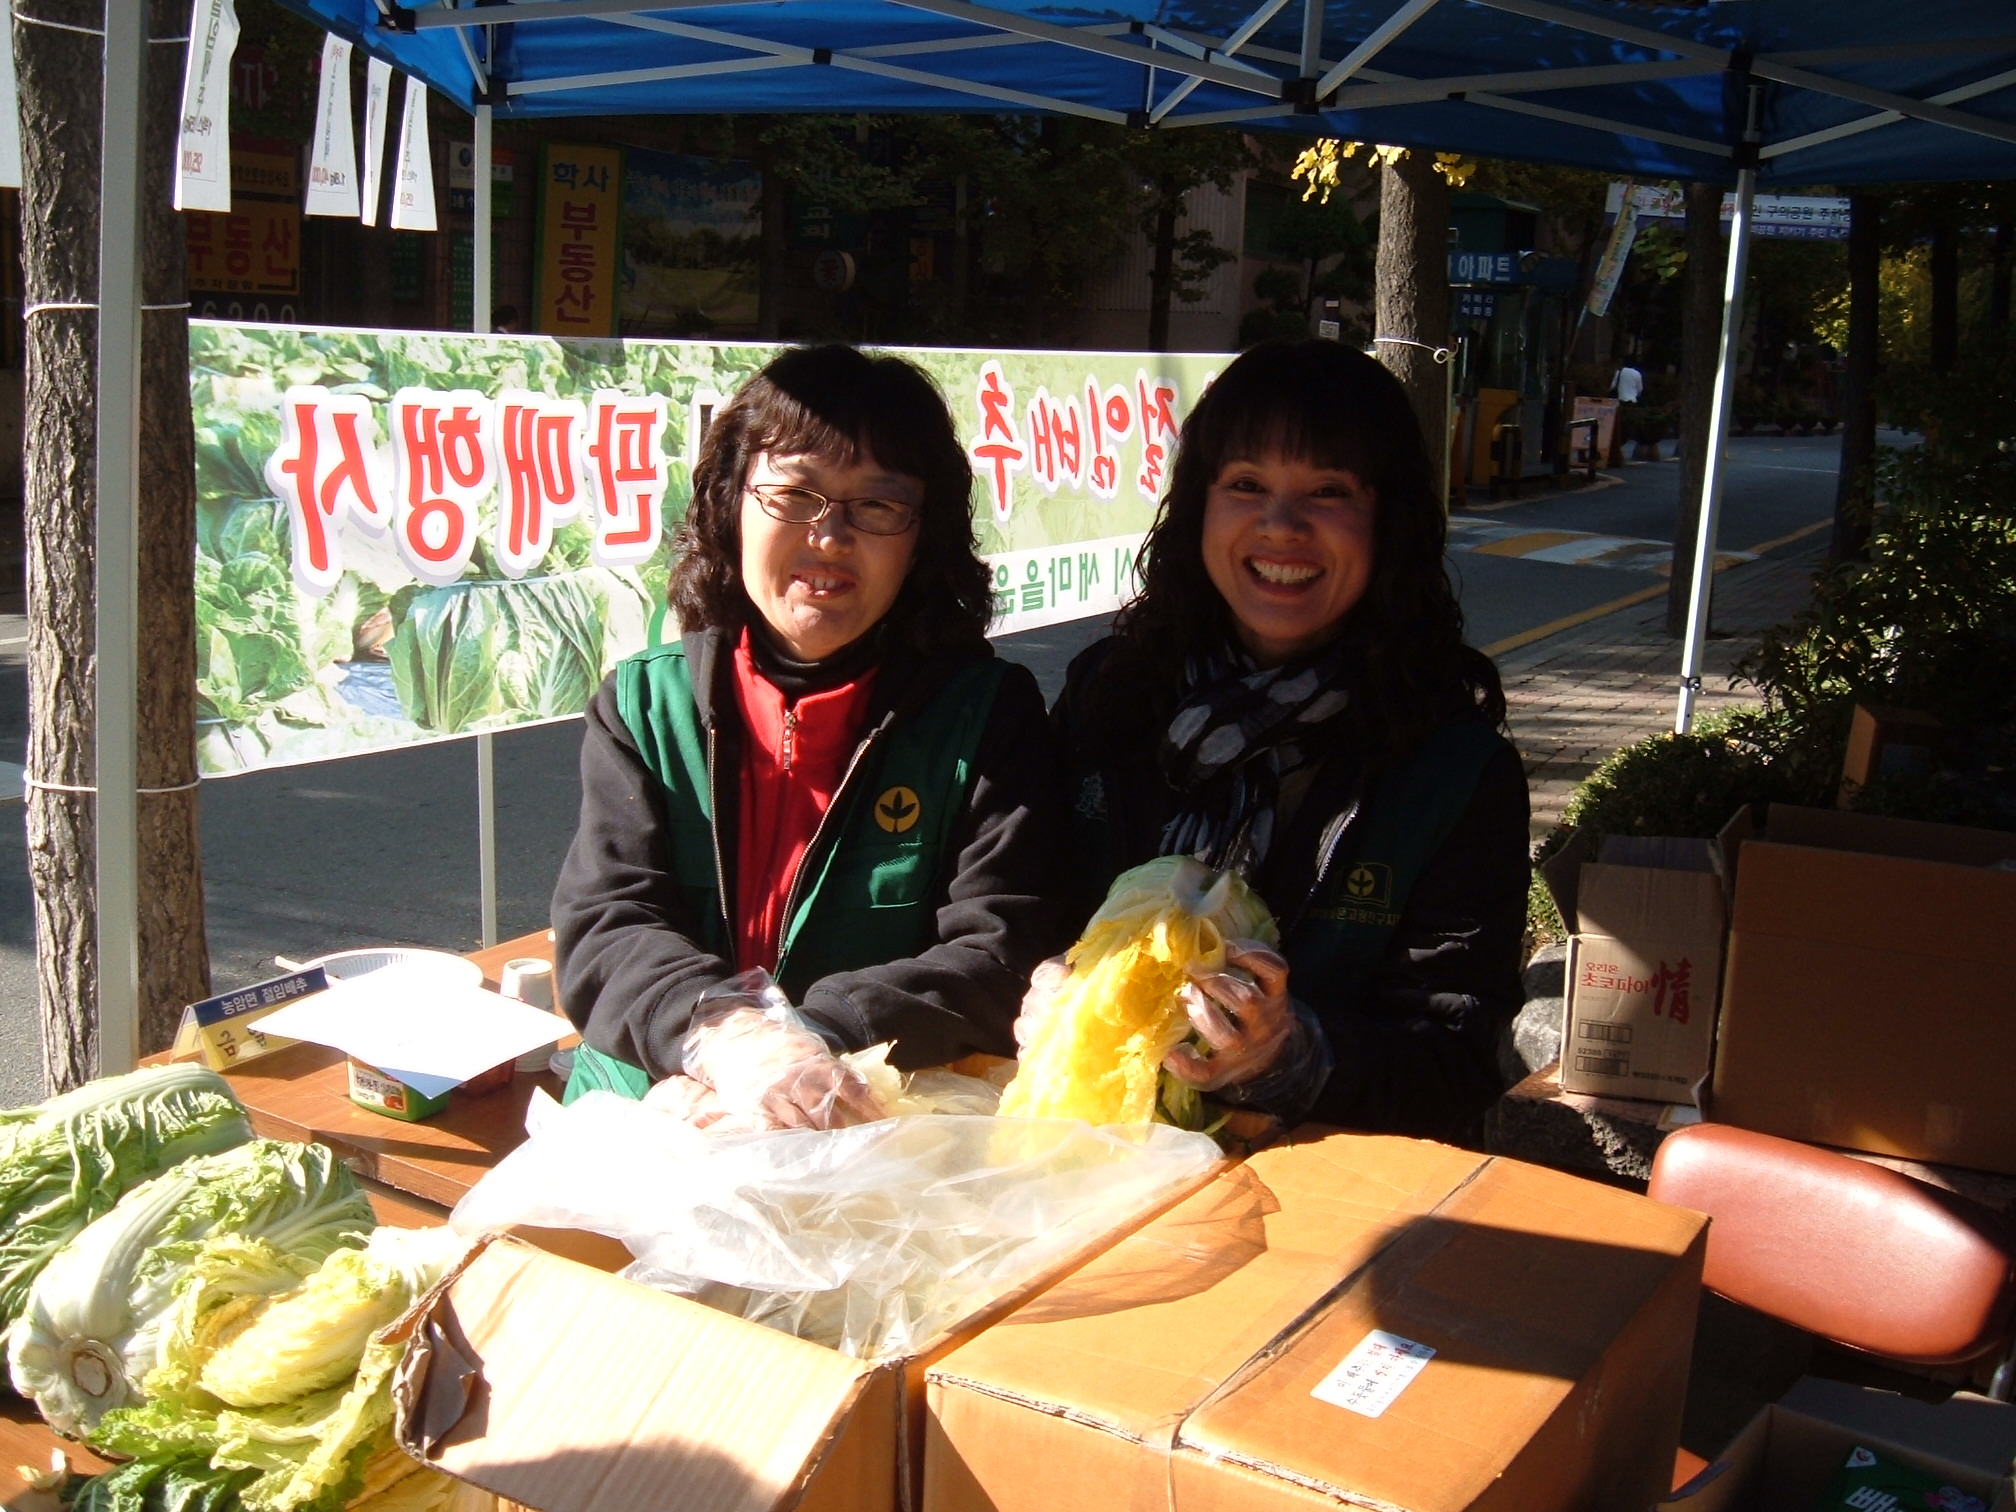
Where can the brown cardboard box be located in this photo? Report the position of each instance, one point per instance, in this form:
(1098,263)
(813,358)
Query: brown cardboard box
(1793,1448)
(1870,994)
(1644,960)
(536,1374)
(1201,1362)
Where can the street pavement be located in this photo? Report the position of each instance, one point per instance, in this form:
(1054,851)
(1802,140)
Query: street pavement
(379,849)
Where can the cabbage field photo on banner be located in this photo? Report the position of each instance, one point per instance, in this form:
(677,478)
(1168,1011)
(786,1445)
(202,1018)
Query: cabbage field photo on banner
(412,536)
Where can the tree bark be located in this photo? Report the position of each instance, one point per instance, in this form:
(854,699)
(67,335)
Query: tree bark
(1852,493)
(1411,287)
(1998,285)
(60,80)
(1162,275)
(1945,298)
(1700,342)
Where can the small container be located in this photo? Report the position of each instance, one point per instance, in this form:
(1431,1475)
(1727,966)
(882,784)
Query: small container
(530,981)
(382,1093)
(494,1080)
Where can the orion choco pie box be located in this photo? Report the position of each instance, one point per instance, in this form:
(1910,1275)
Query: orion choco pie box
(1646,918)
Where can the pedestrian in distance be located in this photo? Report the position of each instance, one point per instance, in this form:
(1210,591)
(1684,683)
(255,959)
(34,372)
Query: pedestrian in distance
(1289,695)
(828,777)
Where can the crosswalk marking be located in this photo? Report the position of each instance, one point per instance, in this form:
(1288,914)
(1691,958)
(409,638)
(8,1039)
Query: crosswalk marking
(1581,548)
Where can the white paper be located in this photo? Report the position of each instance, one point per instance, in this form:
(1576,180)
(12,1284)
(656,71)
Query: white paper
(1374,1373)
(413,189)
(377,100)
(332,166)
(430,1032)
(203,161)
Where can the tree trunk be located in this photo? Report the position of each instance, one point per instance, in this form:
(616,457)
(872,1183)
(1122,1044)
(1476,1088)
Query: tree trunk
(60,78)
(1998,285)
(1700,343)
(1945,298)
(1853,492)
(1162,275)
(1411,281)
(771,273)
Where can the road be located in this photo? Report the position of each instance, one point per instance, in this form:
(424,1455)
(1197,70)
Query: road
(382,848)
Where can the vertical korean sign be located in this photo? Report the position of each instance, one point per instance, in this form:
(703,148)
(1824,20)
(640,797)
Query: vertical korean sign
(580,216)
(406,537)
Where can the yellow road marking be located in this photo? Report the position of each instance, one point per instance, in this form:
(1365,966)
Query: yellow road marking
(1786,540)
(1537,540)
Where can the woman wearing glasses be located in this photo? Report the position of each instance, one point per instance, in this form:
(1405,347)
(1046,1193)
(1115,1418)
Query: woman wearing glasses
(829,777)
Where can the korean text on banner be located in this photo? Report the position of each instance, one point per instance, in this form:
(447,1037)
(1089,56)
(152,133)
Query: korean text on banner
(203,156)
(1611,269)
(377,101)
(413,189)
(247,263)
(332,166)
(580,211)
(416,536)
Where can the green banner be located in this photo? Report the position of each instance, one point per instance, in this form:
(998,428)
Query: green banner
(409,536)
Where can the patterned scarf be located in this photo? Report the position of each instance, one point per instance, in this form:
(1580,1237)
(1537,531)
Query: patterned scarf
(1239,731)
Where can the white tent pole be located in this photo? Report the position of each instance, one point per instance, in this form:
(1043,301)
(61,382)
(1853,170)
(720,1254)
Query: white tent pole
(479,322)
(1716,471)
(118,539)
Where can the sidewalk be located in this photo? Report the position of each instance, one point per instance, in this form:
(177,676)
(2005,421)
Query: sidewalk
(1578,695)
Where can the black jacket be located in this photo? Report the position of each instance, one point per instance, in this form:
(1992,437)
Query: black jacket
(629,969)
(1417,1054)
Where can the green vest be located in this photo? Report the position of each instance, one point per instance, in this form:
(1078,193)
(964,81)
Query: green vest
(865,887)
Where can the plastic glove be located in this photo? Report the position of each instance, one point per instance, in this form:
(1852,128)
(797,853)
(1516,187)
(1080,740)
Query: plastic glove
(1244,1024)
(758,1067)
(1045,982)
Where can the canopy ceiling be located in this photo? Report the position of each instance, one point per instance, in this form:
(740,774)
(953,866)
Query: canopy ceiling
(1853,91)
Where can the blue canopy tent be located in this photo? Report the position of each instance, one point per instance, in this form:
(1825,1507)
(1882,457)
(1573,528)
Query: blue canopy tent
(1752,93)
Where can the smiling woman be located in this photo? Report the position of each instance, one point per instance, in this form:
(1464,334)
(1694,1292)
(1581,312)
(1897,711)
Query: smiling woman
(829,778)
(1289,696)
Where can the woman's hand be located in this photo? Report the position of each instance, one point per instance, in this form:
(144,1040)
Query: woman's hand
(758,1068)
(1244,1025)
(1045,982)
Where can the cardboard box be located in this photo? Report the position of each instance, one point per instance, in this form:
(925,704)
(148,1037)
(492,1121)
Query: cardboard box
(536,1374)
(1793,1448)
(1646,918)
(1870,994)
(1381,1322)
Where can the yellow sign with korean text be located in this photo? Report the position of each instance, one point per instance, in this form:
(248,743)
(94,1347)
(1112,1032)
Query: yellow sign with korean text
(580,239)
(223,1029)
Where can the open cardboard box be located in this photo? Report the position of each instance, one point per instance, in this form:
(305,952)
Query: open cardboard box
(1379,1322)
(1869,999)
(536,1374)
(1793,1448)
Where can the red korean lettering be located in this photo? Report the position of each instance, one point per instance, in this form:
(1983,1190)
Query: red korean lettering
(1156,411)
(328,472)
(1110,420)
(1673,990)
(1056,442)
(442,467)
(999,450)
(629,476)
(541,453)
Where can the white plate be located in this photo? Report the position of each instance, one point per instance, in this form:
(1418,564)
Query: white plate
(345,965)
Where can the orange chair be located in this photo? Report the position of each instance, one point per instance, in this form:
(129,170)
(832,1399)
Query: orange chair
(1855,1253)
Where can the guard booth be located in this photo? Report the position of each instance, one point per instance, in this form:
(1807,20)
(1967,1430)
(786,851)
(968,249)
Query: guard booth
(1510,309)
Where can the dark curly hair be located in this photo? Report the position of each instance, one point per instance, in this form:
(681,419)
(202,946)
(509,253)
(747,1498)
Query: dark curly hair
(1337,408)
(837,402)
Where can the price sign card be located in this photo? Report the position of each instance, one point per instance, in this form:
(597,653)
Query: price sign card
(222,1027)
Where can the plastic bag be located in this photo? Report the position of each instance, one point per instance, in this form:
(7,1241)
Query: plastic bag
(870,1240)
(752,1061)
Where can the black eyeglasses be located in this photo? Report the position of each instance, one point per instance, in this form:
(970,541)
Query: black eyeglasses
(807,506)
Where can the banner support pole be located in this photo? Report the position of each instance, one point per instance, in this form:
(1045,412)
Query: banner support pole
(479,322)
(116,694)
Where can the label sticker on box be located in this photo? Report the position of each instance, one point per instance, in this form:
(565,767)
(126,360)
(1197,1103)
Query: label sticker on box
(1374,1374)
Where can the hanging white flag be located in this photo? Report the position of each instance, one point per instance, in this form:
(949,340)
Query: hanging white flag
(377,97)
(413,189)
(332,166)
(1611,267)
(203,164)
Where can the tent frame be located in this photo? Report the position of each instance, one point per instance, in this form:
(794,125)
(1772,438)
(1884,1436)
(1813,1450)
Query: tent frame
(1316,85)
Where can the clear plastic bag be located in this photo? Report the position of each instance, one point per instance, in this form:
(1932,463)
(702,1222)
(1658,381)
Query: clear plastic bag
(870,1240)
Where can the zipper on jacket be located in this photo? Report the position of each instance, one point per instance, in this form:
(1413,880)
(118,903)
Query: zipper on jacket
(818,834)
(714,830)
(1333,839)
(789,748)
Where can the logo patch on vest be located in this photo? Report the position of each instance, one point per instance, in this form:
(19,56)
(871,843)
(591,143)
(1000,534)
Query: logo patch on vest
(897,810)
(1369,884)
